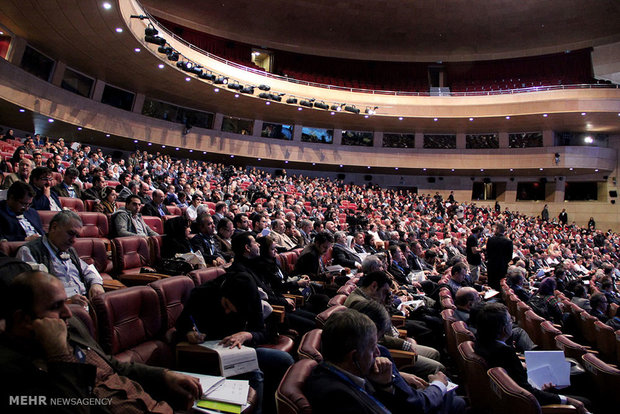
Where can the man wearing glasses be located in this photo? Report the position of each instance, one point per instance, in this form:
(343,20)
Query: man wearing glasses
(19,222)
(128,221)
(45,198)
(192,210)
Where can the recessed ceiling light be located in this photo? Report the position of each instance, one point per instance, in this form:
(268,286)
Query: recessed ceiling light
(545,115)
(596,170)
(260,159)
(236,95)
(511,169)
(188,79)
(79,128)
(583,114)
(160,66)
(137,50)
(453,170)
(204,152)
(191,150)
(286,162)
(163,146)
(332,113)
(396,168)
(571,168)
(471,119)
(482,169)
(368,167)
(149,144)
(267,103)
(232,156)
(216,89)
(50,120)
(435,119)
(507,117)
(540,169)
(22,110)
(340,165)
(119,30)
(135,141)
(300,109)
(107,135)
(177,148)
(107,5)
(400,118)
(314,163)
(423,169)
(365,116)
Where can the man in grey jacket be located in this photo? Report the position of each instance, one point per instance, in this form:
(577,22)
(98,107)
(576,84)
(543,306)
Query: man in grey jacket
(129,222)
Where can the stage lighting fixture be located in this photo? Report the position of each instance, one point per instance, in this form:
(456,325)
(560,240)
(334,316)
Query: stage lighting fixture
(196,70)
(352,109)
(291,100)
(184,64)
(264,95)
(166,50)
(235,85)
(221,80)
(307,103)
(156,40)
(207,76)
(337,107)
(174,56)
(371,111)
(247,89)
(321,105)
(276,97)
(264,87)
(150,30)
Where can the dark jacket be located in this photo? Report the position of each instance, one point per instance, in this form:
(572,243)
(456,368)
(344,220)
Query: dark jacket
(41,202)
(343,257)
(10,228)
(499,254)
(61,191)
(150,209)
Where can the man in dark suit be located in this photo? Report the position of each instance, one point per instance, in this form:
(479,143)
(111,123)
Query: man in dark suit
(68,187)
(205,241)
(499,254)
(342,255)
(44,198)
(310,261)
(494,326)
(156,206)
(48,353)
(18,221)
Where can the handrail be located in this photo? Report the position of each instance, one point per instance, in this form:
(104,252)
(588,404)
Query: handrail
(239,66)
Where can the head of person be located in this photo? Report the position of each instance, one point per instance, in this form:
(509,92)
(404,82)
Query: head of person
(349,341)
(71,174)
(64,228)
(225,228)
(358,238)
(98,182)
(177,228)
(30,296)
(598,301)
(158,197)
(277,225)
(500,229)
(239,295)
(41,177)
(133,203)
(372,263)
(377,313)
(396,253)
(466,298)
(205,224)
(244,245)
(19,197)
(323,241)
(430,256)
(241,221)
(109,194)
(37,158)
(268,248)
(340,237)
(377,286)
(459,272)
(196,199)
(493,323)
(259,222)
(477,231)
(24,168)
(547,286)
(580,291)
(515,276)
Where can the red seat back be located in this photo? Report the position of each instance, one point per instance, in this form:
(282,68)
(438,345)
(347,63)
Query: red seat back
(130,254)
(154,223)
(200,276)
(173,293)
(509,397)
(46,216)
(94,224)
(290,398)
(322,317)
(74,204)
(95,251)
(310,345)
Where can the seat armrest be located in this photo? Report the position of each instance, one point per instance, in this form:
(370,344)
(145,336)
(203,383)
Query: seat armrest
(558,409)
(299,300)
(133,279)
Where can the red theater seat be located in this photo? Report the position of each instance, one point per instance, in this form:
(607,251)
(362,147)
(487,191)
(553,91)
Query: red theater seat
(200,276)
(290,398)
(131,255)
(94,224)
(310,345)
(322,317)
(130,323)
(173,293)
(74,204)
(154,223)
(476,381)
(96,252)
(46,216)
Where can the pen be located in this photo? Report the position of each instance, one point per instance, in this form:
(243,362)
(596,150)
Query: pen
(191,318)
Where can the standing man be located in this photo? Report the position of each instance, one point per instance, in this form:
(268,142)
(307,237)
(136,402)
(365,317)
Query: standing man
(563,217)
(544,214)
(472,251)
(499,254)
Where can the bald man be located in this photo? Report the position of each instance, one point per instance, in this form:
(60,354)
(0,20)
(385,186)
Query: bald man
(156,206)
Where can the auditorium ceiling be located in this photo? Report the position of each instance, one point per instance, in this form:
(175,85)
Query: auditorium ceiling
(405,30)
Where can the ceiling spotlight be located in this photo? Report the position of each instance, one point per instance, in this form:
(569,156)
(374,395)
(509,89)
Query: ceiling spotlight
(235,85)
(221,80)
(507,117)
(291,100)
(191,150)
(160,66)
(337,107)
(307,103)
(119,30)
(583,114)
(267,103)
(22,110)
(216,90)
(247,89)
(79,128)
(366,116)
(236,95)
(321,105)
(300,109)
(400,118)
(264,87)
(188,79)
(352,109)
(371,111)
(135,141)
(156,40)
(435,119)
(207,75)
(106,5)
(164,49)
(471,119)
(545,115)
(332,113)
(588,140)
(149,144)
(50,120)
(107,135)
(150,30)
(173,56)
(137,50)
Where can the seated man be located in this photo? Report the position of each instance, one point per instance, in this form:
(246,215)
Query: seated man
(310,260)
(353,378)
(599,305)
(494,326)
(342,255)
(422,396)
(515,279)
(94,192)
(56,253)
(229,309)
(206,242)
(156,206)
(44,198)
(192,211)
(47,352)
(283,242)
(68,187)
(23,174)
(128,221)
(18,221)
(376,286)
